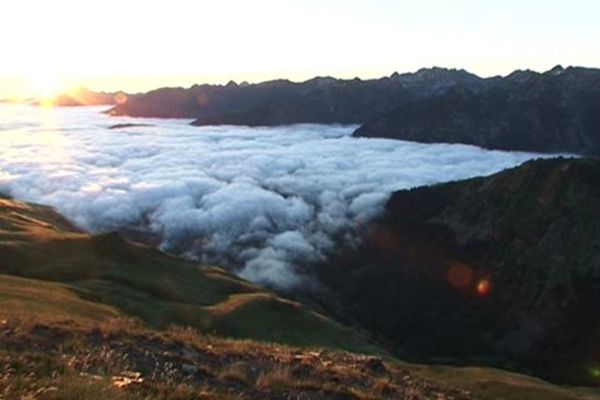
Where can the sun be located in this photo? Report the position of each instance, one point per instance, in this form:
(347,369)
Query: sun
(44,87)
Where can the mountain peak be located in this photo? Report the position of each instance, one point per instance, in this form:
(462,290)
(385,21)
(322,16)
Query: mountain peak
(557,70)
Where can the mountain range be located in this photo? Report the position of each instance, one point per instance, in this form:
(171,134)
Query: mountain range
(280,102)
(557,111)
(468,279)
(554,111)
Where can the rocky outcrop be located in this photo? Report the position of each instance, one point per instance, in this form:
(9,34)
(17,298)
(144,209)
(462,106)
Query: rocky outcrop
(557,111)
(503,270)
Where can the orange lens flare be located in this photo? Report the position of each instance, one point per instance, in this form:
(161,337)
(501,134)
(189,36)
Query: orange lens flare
(121,98)
(484,287)
(460,276)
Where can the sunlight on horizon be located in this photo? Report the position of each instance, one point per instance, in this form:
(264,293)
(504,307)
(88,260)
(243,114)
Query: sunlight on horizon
(136,46)
(44,87)
(47,132)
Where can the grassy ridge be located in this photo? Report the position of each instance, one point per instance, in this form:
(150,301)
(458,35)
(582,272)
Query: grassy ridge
(55,345)
(495,384)
(37,243)
(23,298)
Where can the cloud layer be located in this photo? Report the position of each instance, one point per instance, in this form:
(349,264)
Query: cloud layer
(264,201)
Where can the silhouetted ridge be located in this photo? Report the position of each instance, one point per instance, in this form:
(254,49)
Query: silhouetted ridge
(281,102)
(556,111)
(503,270)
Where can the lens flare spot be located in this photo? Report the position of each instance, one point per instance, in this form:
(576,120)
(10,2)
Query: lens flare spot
(121,98)
(484,287)
(460,276)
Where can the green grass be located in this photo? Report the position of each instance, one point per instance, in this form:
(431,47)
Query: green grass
(162,290)
(51,272)
(295,324)
(48,301)
(495,384)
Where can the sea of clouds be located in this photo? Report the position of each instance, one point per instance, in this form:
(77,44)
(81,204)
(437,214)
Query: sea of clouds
(262,201)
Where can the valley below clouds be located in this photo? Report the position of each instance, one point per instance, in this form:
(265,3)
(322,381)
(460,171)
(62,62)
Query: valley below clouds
(265,202)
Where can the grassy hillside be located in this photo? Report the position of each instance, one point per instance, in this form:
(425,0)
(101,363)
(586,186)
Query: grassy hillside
(106,274)
(66,331)
(496,384)
(122,360)
(54,345)
(22,298)
(556,111)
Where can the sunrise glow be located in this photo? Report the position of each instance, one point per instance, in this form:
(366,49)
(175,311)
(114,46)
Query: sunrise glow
(308,198)
(136,46)
(45,87)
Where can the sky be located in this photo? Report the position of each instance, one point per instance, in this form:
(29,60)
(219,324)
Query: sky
(136,45)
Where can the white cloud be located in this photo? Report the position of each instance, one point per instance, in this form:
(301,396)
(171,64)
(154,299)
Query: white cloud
(261,200)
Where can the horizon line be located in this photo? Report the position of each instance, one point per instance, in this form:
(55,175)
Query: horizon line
(225,82)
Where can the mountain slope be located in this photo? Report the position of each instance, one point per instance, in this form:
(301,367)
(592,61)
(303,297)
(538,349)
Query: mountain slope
(86,317)
(503,270)
(121,359)
(131,279)
(556,111)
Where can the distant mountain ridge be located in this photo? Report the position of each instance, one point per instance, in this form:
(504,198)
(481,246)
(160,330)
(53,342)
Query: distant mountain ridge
(79,96)
(556,111)
(282,102)
(85,97)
